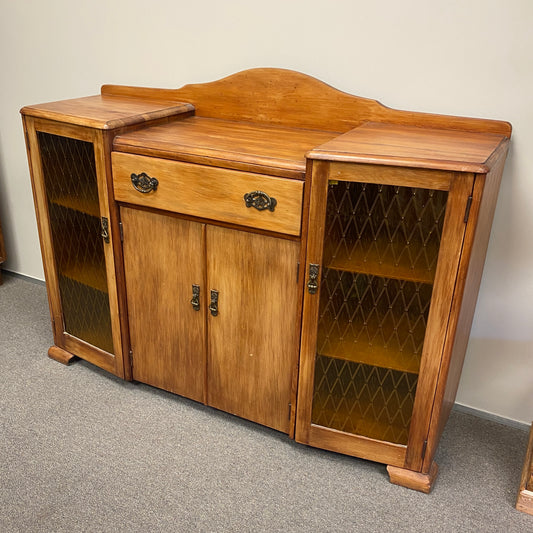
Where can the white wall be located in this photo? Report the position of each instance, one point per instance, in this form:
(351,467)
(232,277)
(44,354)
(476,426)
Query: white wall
(464,57)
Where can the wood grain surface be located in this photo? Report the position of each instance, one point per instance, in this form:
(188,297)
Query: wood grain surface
(273,149)
(407,146)
(163,258)
(210,192)
(106,112)
(253,342)
(293,99)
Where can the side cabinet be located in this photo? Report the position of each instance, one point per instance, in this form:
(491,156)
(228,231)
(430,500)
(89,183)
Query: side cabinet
(382,263)
(68,167)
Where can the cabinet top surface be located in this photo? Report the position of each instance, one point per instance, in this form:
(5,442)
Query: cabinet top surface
(242,145)
(410,146)
(105,112)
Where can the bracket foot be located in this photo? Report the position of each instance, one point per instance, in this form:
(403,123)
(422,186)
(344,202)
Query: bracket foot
(413,480)
(58,354)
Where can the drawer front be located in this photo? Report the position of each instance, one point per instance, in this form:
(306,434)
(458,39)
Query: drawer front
(210,192)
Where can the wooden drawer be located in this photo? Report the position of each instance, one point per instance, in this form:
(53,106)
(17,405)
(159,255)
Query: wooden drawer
(209,192)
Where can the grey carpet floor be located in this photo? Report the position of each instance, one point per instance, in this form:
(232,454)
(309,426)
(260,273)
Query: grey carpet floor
(81,450)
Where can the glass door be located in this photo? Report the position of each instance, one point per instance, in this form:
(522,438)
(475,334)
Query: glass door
(381,244)
(70,183)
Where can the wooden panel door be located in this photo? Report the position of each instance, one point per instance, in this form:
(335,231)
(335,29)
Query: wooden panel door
(164,257)
(252,341)
(382,262)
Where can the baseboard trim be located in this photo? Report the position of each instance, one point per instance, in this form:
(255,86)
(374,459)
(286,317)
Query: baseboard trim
(12,274)
(490,416)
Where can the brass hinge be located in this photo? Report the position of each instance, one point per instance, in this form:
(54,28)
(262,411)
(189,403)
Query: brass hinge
(468,206)
(290,406)
(131,359)
(297,272)
(121,227)
(424,448)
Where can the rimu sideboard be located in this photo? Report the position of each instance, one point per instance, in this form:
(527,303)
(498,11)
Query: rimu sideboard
(272,247)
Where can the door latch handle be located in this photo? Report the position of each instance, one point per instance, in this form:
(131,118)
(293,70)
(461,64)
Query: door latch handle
(312,282)
(105,230)
(195,301)
(213,307)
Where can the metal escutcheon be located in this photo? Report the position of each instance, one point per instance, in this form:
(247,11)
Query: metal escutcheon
(144,183)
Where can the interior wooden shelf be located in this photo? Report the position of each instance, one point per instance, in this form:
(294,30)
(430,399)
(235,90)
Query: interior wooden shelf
(90,274)
(349,349)
(82,204)
(372,263)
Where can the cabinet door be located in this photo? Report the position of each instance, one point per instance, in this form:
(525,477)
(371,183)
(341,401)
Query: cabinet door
(382,263)
(163,258)
(253,339)
(70,189)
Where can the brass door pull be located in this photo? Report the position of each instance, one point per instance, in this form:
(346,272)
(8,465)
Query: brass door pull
(213,307)
(195,301)
(105,230)
(144,183)
(260,200)
(312,283)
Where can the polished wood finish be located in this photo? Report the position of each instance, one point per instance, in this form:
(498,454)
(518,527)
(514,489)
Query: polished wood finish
(273,150)
(210,192)
(470,270)
(163,258)
(288,98)
(388,175)
(292,137)
(524,501)
(413,480)
(439,314)
(253,341)
(112,362)
(407,146)
(106,112)
(60,355)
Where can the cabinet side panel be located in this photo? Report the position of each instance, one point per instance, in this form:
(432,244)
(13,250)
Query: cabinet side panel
(477,235)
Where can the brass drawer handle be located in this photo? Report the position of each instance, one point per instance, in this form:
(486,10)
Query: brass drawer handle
(260,200)
(195,301)
(213,307)
(144,183)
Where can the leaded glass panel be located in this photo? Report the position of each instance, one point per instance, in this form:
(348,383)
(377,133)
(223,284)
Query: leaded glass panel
(69,172)
(380,256)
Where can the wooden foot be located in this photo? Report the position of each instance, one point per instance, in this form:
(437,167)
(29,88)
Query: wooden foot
(413,480)
(524,501)
(58,354)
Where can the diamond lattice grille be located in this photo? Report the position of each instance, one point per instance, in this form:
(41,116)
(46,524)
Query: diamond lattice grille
(385,229)
(70,180)
(363,399)
(380,256)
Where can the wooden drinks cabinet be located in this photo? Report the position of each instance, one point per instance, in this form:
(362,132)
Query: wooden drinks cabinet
(271,247)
